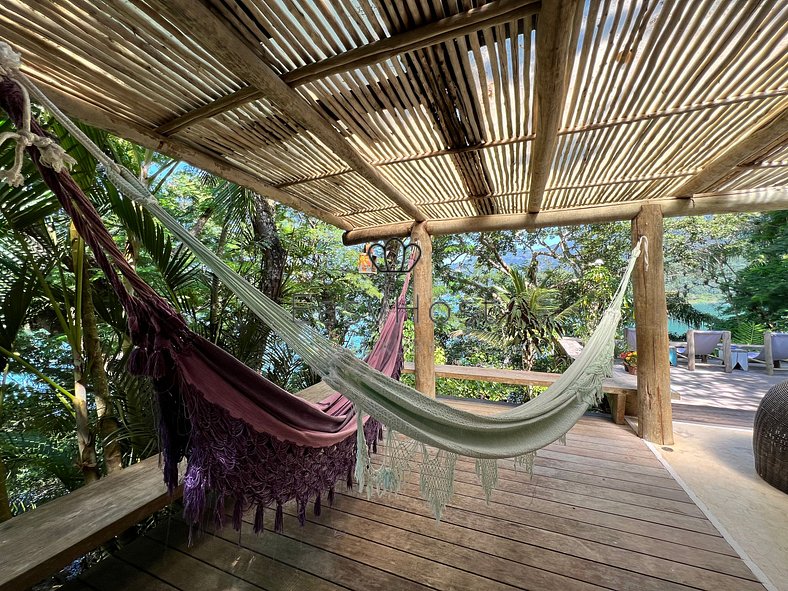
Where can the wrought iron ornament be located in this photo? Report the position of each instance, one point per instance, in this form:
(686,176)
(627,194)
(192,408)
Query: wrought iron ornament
(396,256)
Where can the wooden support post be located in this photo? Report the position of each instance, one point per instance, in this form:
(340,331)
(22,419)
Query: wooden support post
(691,350)
(655,418)
(424,327)
(768,354)
(727,354)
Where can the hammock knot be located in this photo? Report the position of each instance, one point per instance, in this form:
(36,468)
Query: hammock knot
(52,155)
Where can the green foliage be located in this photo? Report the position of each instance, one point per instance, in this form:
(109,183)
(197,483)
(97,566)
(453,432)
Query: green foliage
(748,333)
(760,290)
(31,451)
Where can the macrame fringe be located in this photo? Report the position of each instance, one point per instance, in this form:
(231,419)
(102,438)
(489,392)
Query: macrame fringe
(259,519)
(487,472)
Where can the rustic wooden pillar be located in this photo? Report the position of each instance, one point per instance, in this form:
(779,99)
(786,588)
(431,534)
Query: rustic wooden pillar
(655,418)
(424,327)
(768,353)
(727,351)
(691,350)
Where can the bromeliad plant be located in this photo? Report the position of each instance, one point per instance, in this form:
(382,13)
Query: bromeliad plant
(630,358)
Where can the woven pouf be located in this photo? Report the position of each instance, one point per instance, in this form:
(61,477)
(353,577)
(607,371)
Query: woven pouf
(770,437)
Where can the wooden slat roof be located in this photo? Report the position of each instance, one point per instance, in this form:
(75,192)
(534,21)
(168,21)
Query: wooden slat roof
(376,113)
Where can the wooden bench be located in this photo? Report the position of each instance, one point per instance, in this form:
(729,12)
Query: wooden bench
(617,393)
(38,543)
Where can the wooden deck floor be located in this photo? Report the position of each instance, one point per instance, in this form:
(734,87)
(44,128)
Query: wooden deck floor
(599,513)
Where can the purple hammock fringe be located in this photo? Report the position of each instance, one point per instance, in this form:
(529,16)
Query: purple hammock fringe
(247,441)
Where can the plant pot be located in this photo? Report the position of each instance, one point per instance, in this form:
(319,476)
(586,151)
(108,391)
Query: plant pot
(633,369)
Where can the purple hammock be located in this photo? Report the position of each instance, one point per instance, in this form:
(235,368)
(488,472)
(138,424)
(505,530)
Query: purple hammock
(247,440)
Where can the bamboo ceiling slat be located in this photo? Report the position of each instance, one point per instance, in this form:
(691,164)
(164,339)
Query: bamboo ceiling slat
(656,91)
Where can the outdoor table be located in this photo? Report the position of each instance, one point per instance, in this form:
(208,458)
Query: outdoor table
(739,359)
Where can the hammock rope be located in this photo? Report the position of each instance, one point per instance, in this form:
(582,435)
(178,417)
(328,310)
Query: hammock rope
(517,433)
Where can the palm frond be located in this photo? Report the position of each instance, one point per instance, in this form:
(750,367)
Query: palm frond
(32,449)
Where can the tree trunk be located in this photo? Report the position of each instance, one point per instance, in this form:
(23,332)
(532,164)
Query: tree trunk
(266,236)
(88,461)
(5,505)
(213,318)
(107,423)
(273,257)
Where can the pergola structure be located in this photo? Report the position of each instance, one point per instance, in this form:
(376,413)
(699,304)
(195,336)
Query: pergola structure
(424,117)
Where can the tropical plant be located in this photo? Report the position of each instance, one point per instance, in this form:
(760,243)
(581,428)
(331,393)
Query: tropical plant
(528,321)
(748,333)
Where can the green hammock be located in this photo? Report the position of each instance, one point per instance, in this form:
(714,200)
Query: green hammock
(516,433)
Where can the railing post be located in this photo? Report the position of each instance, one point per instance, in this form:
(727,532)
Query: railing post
(691,350)
(768,354)
(655,416)
(727,353)
(424,327)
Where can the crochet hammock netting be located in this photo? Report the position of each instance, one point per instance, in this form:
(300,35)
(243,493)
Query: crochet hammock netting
(247,440)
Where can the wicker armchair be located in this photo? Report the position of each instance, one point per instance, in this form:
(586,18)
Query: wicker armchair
(770,437)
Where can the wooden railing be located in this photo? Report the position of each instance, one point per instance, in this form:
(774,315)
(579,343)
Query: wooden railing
(616,389)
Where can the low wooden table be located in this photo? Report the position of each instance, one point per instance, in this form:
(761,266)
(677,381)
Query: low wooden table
(739,358)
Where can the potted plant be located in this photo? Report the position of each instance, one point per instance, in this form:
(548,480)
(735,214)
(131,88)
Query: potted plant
(630,359)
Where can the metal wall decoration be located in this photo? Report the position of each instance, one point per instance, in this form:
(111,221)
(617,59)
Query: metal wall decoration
(394,256)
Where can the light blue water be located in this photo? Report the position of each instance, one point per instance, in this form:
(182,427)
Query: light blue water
(714,308)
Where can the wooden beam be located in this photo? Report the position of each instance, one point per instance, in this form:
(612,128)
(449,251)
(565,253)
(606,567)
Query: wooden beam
(771,133)
(770,199)
(423,325)
(220,39)
(214,164)
(421,37)
(226,103)
(655,418)
(428,35)
(553,40)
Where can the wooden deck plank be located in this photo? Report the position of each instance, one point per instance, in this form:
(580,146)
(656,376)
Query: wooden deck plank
(390,555)
(598,513)
(536,510)
(347,572)
(38,543)
(113,574)
(624,475)
(555,474)
(566,535)
(512,479)
(591,561)
(176,568)
(448,565)
(241,563)
(514,482)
